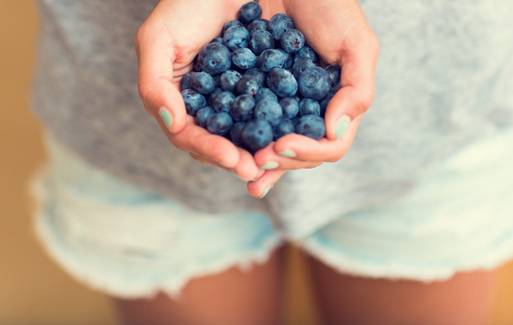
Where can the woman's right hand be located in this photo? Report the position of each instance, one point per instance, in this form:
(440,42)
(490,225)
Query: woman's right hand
(167,44)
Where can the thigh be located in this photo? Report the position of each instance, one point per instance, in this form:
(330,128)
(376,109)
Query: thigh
(467,298)
(233,297)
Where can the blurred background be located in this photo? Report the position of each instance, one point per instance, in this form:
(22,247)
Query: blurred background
(33,290)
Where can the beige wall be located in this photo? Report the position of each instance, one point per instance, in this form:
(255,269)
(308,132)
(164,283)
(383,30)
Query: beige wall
(32,289)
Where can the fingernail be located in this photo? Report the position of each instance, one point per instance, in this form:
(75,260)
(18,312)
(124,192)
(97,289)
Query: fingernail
(288,153)
(342,126)
(265,191)
(166,117)
(269,165)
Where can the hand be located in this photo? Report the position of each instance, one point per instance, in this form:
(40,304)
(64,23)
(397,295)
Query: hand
(338,31)
(166,45)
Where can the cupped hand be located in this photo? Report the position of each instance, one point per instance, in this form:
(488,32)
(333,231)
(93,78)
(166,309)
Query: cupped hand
(167,44)
(339,32)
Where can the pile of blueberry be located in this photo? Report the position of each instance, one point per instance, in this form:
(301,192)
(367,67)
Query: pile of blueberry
(259,81)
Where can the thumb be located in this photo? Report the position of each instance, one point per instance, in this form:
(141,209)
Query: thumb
(158,91)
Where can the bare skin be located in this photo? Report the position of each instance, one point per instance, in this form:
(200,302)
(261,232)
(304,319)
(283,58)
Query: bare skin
(232,297)
(467,299)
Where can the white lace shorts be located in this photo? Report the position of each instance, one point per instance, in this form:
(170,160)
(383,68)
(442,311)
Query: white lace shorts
(129,242)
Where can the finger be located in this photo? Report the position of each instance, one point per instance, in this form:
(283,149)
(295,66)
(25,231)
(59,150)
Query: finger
(160,95)
(359,59)
(268,159)
(302,148)
(246,168)
(264,184)
(200,158)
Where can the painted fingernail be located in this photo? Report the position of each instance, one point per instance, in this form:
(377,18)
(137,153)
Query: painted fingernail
(265,191)
(342,126)
(288,153)
(269,165)
(166,117)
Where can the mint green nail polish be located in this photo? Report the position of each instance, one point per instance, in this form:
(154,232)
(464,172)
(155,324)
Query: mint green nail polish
(166,117)
(342,126)
(265,191)
(288,153)
(269,165)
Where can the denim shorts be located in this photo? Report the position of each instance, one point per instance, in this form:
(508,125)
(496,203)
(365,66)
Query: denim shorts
(129,242)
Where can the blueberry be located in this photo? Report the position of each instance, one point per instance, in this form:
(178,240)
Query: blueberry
(229,79)
(270,59)
(285,127)
(314,83)
(249,12)
(193,101)
(311,126)
(307,53)
(260,40)
(186,82)
(247,85)
(290,107)
(265,93)
(256,135)
(214,58)
(300,65)
(326,100)
(231,23)
(282,82)
(217,40)
(236,133)
(236,37)
(289,62)
(219,123)
(242,108)
(269,110)
(243,58)
(203,114)
(278,24)
(202,82)
(333,71)
(260,24)
(292,40)
(257,74)
(308,106)
(222,101)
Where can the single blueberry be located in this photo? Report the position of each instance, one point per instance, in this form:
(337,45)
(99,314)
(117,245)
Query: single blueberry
(311,126)
(243,59)
(202,82)
(314,83)
(219,123)
(256,135)
(285,127)
(290,107)
(260,40)
(186,82)
(229,79)
(236,37)
(249,12)
(247,85)
(231,23)
(265,93)
(257,74)
(260,24)
(236,133)
(214,58)
(242,108)
(269,110)
(270,59)
(308,106)
(300,65)
(193,101)
(292,40)
(326,100)
(203,114)
(307,53)
(222,101)
(282,82)
(333,71)
(278,24)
